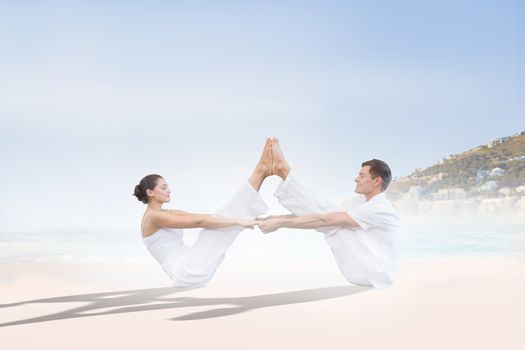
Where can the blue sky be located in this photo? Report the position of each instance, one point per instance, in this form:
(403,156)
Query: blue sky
(97,94)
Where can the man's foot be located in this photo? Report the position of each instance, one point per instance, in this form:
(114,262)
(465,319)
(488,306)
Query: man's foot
(280,165)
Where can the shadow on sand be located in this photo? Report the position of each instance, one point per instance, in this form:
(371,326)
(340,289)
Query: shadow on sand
(152,299)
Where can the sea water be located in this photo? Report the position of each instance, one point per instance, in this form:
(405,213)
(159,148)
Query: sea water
(442,236)
(423,237)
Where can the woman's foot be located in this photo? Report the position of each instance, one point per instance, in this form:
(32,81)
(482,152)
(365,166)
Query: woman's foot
(264,167)
(281,167)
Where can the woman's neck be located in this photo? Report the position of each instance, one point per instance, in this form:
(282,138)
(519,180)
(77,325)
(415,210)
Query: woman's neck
(154,206)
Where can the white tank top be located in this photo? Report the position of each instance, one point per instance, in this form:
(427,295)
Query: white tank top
(165,245)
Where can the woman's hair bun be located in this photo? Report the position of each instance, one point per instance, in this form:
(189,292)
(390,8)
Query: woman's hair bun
(139,193)
(147,183)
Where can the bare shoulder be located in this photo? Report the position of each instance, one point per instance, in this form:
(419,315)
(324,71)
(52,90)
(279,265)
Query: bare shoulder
(150,222)
(178,212)
(161,213)
(172,218)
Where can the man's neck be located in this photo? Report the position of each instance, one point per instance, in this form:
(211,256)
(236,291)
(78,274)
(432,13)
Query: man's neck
(372,194)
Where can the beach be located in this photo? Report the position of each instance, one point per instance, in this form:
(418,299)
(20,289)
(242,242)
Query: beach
(438,303)
(97,95)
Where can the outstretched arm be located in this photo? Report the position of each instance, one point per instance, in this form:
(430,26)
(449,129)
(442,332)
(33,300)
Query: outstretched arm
(178,219)
(311,221)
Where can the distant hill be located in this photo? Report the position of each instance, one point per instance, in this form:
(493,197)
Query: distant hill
(488,170)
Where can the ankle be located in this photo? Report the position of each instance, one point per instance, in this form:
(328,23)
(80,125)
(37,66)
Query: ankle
(262,170)
(283,173)
(256,181)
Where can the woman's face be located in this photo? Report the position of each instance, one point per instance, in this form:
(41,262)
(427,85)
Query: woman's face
(161,192)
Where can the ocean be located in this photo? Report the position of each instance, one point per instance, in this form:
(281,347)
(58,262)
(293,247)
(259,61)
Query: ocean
(423,237)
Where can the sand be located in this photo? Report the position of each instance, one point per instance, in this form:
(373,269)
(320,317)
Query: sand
(445,303)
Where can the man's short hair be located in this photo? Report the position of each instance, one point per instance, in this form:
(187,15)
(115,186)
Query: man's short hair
(379,168)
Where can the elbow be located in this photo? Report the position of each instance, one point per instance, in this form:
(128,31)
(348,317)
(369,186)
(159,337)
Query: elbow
(338,219)
(200,223)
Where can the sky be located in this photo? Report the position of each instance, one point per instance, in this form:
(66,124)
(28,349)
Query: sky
(94,95)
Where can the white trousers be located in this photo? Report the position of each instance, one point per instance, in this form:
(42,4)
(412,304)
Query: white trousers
(197,265)
(349,255)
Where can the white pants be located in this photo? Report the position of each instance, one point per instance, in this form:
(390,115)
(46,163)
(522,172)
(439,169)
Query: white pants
(347,250)
(197,265)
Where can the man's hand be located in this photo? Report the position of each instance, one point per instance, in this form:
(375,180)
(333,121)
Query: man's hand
(268,225)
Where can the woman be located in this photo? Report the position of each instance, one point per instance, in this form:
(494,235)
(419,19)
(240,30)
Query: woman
(162,228)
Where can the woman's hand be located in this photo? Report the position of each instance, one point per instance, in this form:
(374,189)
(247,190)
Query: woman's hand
(247,223)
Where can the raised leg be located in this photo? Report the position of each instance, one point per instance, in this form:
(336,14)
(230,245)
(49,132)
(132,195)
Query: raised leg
(350,255)
(197,265)
(294,196)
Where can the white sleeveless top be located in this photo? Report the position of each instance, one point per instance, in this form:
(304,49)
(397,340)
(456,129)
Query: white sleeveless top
(165,245)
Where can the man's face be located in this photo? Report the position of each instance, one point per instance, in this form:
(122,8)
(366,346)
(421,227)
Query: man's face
(363,181)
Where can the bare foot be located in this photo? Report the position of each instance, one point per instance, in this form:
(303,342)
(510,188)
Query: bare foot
(264,167)
(280,165)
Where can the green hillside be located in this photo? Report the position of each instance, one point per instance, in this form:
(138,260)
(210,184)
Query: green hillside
(465,170)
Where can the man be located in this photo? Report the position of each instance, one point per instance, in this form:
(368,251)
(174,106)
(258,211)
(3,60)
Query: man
(363,232)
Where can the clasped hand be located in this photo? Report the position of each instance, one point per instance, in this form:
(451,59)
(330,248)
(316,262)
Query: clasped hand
(265,224)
